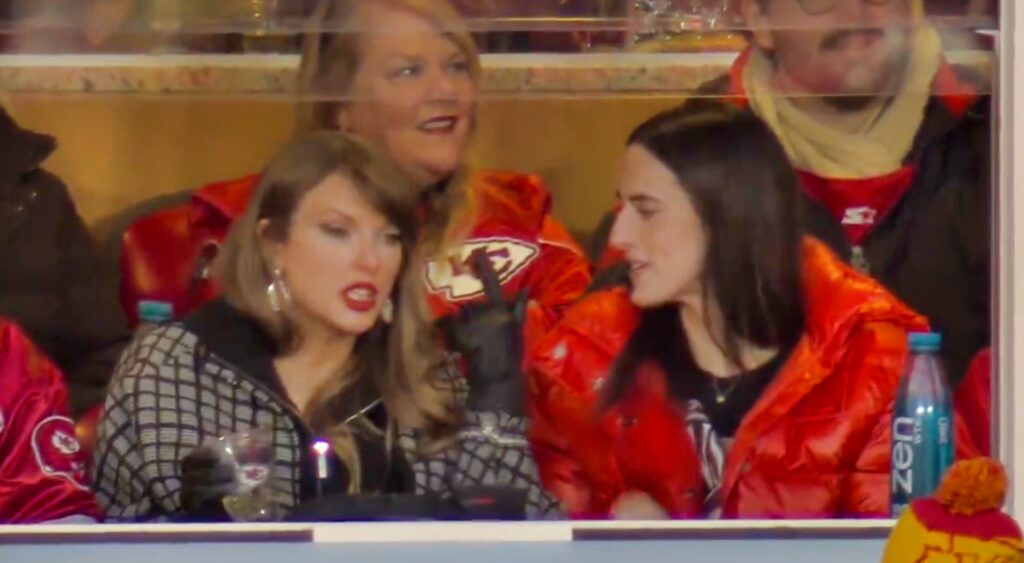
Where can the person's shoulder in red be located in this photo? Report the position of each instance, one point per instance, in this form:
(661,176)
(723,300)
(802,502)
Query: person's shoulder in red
(166,253)
(834,397)
(860,329)
(566,371)
(578,353)
(843,304)
(43,470)
(528,248)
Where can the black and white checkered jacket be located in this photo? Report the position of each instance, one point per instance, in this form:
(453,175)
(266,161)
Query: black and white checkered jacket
(172,389)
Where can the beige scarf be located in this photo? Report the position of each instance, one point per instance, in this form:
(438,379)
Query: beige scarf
(878,146)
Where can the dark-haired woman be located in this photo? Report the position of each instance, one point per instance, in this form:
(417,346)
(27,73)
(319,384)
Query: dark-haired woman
(746,372)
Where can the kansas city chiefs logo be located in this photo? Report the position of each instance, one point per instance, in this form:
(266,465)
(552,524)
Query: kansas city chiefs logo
(253,474)
(454,277)
(65,443)
(57,451)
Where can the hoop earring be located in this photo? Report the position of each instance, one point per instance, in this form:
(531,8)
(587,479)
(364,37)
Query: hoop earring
(278,294)
(387,312)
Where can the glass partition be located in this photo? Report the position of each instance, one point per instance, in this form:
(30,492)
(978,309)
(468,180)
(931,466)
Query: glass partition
(158,116)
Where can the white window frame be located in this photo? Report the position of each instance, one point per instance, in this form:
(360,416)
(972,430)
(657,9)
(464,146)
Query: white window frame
(1008,213)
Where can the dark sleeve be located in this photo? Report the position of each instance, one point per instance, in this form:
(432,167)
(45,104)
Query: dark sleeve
(978,231)
(974,230)
(93,327)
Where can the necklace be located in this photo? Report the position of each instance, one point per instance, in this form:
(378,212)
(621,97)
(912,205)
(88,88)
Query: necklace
(722,393)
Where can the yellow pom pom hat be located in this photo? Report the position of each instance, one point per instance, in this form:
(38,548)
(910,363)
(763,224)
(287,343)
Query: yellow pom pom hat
(963,521)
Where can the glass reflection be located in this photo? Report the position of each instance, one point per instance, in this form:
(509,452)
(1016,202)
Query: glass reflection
(880,107)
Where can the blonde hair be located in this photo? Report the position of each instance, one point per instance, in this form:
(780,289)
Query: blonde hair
(400,360)
(331,56)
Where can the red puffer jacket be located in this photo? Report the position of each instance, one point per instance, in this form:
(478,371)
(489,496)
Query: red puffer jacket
(816,444)
(165,256)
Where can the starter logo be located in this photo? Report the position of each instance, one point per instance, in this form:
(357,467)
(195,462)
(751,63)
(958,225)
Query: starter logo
(454,277)
(860,216)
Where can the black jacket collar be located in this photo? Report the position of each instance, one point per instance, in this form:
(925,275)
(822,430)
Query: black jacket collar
(242,342)
(238,339)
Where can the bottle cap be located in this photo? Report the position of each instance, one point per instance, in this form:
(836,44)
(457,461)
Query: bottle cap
(155,311)
(925,341)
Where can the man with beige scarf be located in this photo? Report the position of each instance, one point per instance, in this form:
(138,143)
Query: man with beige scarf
(892,146)
(891,143)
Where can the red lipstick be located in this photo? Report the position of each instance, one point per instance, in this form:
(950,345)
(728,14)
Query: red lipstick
(360,297)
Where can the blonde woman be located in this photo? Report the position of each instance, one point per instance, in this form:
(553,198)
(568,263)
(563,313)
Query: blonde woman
(322,333)
(404,75)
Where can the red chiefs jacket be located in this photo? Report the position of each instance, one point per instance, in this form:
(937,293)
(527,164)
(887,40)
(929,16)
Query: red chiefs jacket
(42,466)
(816,444)
(165,256)
(529,249)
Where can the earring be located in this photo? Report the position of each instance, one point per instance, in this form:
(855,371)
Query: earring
(387,312)
(277,292)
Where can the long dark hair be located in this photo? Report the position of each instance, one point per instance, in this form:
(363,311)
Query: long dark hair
(742,186)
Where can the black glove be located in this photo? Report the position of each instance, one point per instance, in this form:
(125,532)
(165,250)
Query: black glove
(206,478)
(489,335)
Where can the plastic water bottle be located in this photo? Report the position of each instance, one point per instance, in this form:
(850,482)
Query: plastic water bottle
(922,424)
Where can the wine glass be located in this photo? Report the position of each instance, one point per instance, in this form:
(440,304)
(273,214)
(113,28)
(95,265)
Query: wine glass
(252,453)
